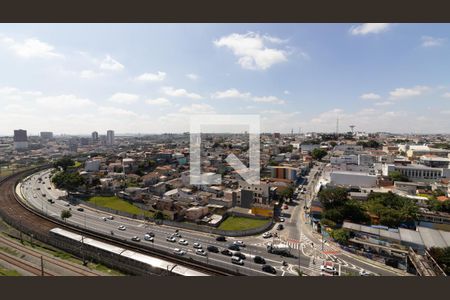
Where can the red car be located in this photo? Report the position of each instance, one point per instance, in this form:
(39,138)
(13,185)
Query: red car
(285,206)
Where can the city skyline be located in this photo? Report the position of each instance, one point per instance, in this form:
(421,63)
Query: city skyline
(148,79)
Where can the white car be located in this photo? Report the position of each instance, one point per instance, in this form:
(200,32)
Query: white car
(171,239)
(281,219)
(183,242)
(239,243)
(104,218)
(147,237)
(364,273)
(110,217)
(237,260)
(267,235)
(122,227)
(328,269)
(178,251)
(200,252)
(197,246)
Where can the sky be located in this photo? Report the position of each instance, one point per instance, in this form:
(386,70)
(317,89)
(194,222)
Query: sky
(149,78)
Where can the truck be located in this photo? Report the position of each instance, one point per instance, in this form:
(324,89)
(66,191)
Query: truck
(279,248)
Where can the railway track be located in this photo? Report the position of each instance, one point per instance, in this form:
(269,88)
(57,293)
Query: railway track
(24,265)
(20,215)
(48,258)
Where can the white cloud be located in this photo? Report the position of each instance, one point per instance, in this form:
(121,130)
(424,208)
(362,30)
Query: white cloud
(197,109)
(159,76)
(236,94)
(369,28)
(286,92)
(30,48)
(170,91)
(370,96)
(446,95)
(445,112)
(383,103)
(64,102)
(124,98)
(110,64)
(192,76)
(90,74)
(408,92)
(429,41)
(251,50)
(158,101)
(114,111)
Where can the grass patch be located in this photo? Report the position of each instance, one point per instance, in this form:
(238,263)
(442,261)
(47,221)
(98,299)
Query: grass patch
(430,197)
(9,251)
(77,164)
(241,223)
(7,272)
(116,203)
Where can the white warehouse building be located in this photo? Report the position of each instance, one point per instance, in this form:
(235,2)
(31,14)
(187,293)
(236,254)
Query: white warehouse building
(357,179)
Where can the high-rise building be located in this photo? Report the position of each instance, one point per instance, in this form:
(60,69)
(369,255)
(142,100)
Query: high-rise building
(46,135)
(110,137)
(95,137)
(20,139)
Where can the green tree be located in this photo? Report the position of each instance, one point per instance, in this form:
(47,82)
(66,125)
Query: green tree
(64,163)
(341,236)
(332,197)
(159,215)
(442,257)
(318,154)
(65,214)
(68,181)
(397,176)
(288,192)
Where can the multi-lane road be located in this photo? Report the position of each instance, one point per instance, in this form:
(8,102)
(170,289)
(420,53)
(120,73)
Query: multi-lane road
(304,245)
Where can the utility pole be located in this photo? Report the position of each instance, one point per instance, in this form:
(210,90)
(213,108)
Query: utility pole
(42,266)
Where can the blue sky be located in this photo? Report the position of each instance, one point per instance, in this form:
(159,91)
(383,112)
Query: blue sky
(148,78)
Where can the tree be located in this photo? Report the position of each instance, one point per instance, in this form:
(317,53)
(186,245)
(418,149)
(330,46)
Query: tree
(442,257)
(159,215)
(68,181)
(341,236)
(288,192)
(332,197)
(318,154)
(65,214)
(64,163)
(397,176)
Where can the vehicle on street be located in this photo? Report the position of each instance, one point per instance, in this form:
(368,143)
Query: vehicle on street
(227,252)
(280,227)
(66,204)
(285,207)
(150,234)
(80,209)
(147,237)
(183,242)
(200,252)
(104,218)
(327,268)
(110,217)
(364,273)
(267,235)
(135,239)
(177,234)
(236,260)
(280,248)
(213,249)
(49,188)
(197,246)
(178,251)
(281,219)
(259,260)
(121,227)
(269,269)
(239,254)
(171,239)
(239,243)
(234,247)
(221,238)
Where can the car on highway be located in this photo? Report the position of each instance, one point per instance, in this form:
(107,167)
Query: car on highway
(328,269)
(171,239)
(285,207)
(104,219)
(183,242)
(280,227)
(148,237)
(236,260)
(259,260)
(66,204)
(234,247)
(200,252)
(177,234)
(239,243)
(49,188)
(267,235)
(135,239)
(269,269)
(197,246)
(240,255)
(364,273)
(227,252)
(110,218)
(221,238)
(122,227)
(80,209)
(213,249)
(282,220)
(178,251)
(150,234)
